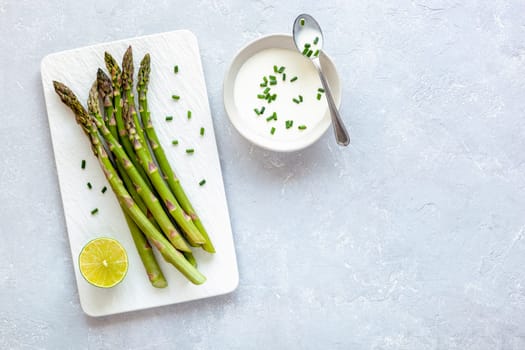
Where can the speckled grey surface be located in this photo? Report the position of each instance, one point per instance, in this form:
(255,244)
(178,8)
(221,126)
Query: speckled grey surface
(412,238)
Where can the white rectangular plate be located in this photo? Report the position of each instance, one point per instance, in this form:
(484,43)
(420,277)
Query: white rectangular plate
(77,69)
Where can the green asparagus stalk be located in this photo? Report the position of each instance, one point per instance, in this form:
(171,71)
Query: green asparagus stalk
(155,275)
(116,76)
(143,190)
(183,220)
(89,125)
(165,167)
(105,90)
(127,86)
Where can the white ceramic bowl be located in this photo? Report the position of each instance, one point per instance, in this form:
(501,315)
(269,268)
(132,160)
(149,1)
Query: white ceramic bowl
(282,41)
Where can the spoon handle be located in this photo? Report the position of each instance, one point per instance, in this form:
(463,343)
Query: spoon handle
(341,135)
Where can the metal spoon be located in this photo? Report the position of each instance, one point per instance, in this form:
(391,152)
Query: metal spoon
(306,31)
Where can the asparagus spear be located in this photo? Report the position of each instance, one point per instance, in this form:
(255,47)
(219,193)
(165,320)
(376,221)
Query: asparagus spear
(171,178)
(183,220)
(89,125)
(143,190)
(105,90)
(127,85)
(116,76)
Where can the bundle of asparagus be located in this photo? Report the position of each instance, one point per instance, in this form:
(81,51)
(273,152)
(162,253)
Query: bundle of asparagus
(154,203)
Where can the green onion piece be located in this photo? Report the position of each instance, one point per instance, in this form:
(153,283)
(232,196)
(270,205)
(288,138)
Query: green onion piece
(104,189)
(275,69)
(190,151)
(262,109)
(202,182)
(300,98)
(175,142)
(309,53)
(175,97)
(305,51)
(284,76)
(83,164)
(302,21)
(272,77)
(288,124)
(176,69)
(293,79)
(296,100)
(169,118)
(316,40)
(272,117)
(263,84)
(274,97)
(273,82)
(265,79)
(281,69)
(321,90)
(189,114)
(202,131)
(319,96)
(316,53)
(301,127)
(94,211)
(272,131)
(261,97)
(266,90)
(256,111)
(307,45)
(89,185)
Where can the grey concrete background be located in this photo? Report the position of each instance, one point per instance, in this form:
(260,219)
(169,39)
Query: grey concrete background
(412,238)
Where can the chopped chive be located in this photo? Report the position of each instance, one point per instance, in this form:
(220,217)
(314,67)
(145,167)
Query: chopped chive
(275,69)
(319,96)
(89,185)
(190,151)
(272,77)
(272,131)
(175,142)
(305,51)
(309,53)
(284,76)
(302,21)
(301,127)
(175,97)
(316,40)
(272,117)
(169,118)
(256,111)
(321,90)
(261,97)
(104,189)
(266,90)
(300,98)
(293,79)
(189,114)
(202,131)
(262,109)
(316,53)
(307,45)
(288,124)
(296,100)
(94,211)
(265,79)
(281,69)
(202,182)
(263,84)
(83,164)
(273,82)
(176,69)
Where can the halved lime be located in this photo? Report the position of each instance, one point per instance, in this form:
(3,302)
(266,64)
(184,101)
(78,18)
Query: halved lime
(103,262)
